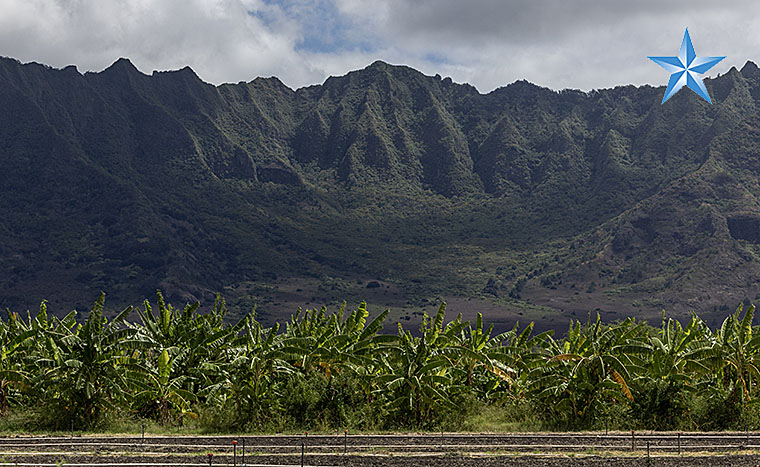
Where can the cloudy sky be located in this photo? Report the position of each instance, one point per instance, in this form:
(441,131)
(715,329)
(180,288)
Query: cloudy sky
(489,43)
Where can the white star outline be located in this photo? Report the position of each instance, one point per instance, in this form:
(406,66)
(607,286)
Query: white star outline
(684,69)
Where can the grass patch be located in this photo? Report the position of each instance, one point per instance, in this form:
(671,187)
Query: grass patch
(517,417)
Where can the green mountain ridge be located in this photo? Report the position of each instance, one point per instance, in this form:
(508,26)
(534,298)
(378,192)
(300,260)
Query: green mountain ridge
(539,203)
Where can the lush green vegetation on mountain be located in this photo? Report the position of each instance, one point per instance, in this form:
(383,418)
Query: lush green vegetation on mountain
(333,369)
(529,200)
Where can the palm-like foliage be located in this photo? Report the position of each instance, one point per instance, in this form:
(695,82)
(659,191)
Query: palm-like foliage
(415,378)
(13,336)
(475,346)
(251,377)
(159,390)
(85,369)
(521,353)
(415,371)
(674,353)
(201,342)
(495,362)
(733,354)
(173,361)
(316,340)
(587,369)
(666,373)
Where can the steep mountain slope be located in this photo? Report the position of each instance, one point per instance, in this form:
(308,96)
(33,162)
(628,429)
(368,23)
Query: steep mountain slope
(544,203)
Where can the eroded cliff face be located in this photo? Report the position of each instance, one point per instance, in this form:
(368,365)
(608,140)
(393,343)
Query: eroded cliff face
(129,182)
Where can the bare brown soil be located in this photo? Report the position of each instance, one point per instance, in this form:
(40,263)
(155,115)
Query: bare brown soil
(531,449)
(276,302)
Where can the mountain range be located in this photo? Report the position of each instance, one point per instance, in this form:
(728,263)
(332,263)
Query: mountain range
(384,185)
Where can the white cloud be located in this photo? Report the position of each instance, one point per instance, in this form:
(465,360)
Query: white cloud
(489,43)
(218,39)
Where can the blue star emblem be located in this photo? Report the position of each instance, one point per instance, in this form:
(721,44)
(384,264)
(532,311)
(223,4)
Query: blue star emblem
(684,69)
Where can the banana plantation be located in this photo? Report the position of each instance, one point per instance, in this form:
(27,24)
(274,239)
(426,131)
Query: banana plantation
(336,369)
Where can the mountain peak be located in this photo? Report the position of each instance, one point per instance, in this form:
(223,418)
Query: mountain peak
(750,70)
(9,60)
(185,72)
(124,65)
(271,82)
(379,64)
(520,86)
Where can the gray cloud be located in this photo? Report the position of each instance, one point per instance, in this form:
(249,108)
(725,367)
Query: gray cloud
(582,44)
(579,44)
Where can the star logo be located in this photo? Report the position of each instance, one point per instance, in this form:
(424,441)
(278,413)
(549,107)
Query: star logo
(684,69)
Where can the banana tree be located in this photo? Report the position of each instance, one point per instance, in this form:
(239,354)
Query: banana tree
(673,353)
(200,341)
(416,379)
(159,390)
(513,355)
(668,371)
(84,375)
(14,336)
(477,349)
(317,340)
(251,379)
(588,370)
(733,355)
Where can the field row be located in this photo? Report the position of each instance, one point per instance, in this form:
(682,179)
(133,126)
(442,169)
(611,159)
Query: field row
(447,449)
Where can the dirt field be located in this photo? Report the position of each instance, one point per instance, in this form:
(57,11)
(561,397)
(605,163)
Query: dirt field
(449,449)
(276,302)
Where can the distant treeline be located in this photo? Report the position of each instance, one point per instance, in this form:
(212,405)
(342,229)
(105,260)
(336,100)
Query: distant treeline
(334,369)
